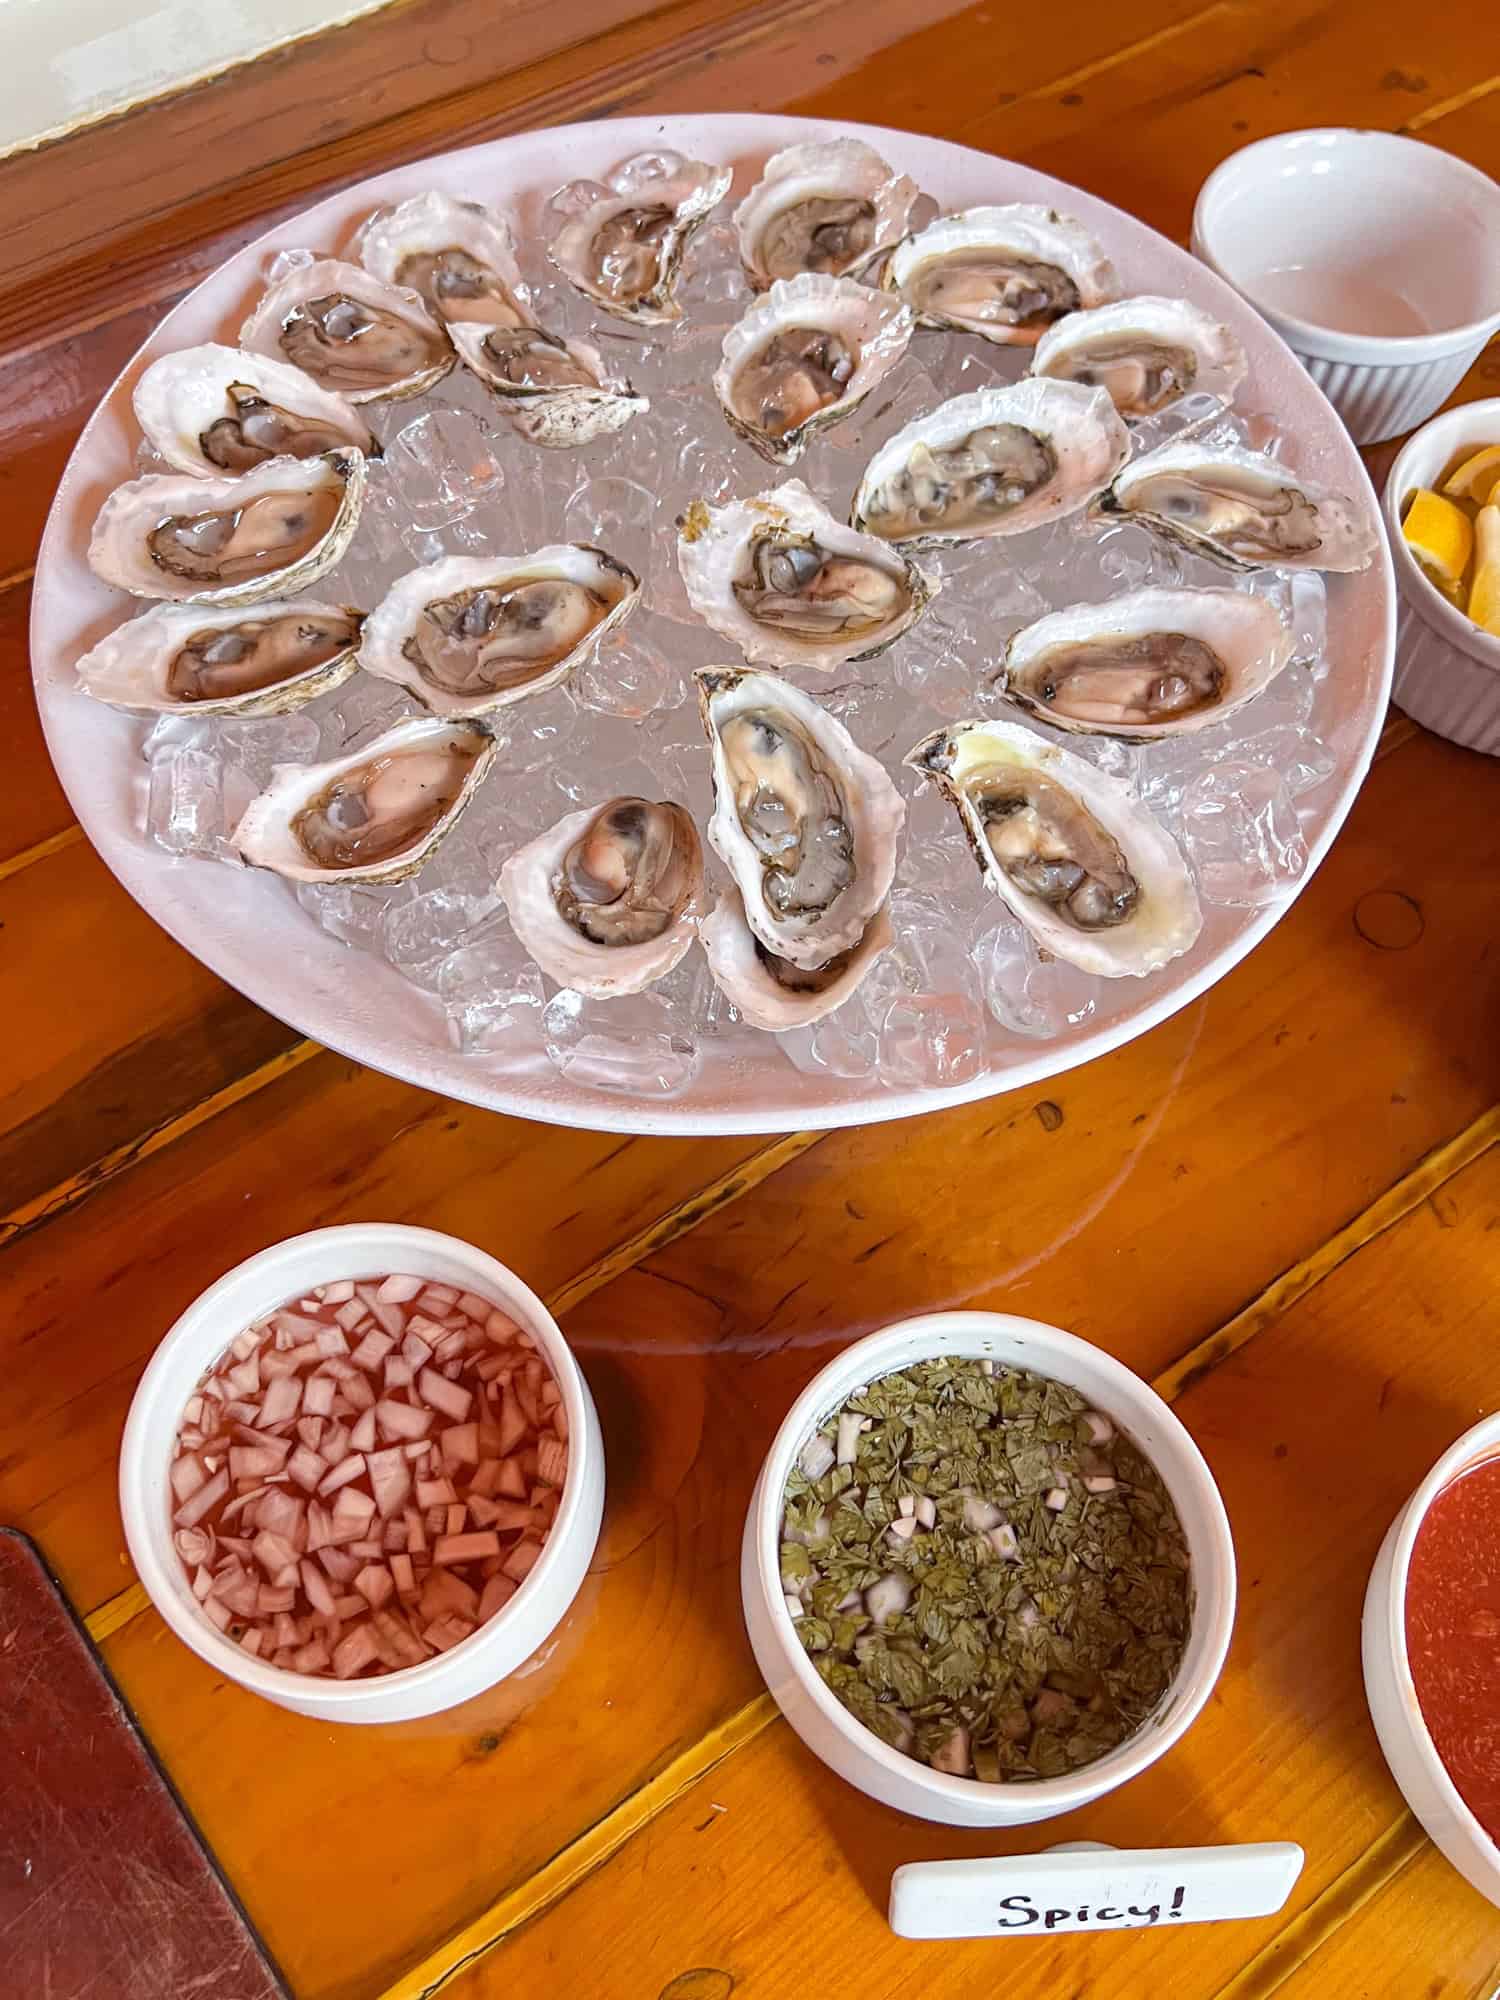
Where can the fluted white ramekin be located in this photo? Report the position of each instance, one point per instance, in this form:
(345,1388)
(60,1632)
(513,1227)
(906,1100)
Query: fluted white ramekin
(1346,210)
(1447,670)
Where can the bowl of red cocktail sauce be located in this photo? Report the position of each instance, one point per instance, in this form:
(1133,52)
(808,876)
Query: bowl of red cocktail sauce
(1432,1654)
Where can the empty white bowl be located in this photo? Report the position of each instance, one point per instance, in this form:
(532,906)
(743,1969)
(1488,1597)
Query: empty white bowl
(1447,670)
(827,1727)
(1376,258)
(286,1271)
(1392,1695)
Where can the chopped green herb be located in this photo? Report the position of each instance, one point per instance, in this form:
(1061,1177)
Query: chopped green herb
(984,1570)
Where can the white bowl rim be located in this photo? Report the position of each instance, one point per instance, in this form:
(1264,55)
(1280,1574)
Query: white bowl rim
(1151,1740)
(1478,1444)
(204,1638)
(1425,599)
(1394,349)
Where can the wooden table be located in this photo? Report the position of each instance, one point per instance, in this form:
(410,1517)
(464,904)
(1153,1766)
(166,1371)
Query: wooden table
(1283,1205)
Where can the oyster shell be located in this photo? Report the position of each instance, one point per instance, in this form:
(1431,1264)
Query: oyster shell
(236,660)
(377,815)
(1154,662)
(806,823)
(624,251)
(474,633)
(1005,273)
(830,205)
(263,533)
(1147,352)
(216,410)
(805,356)
(995,462)
(1243,508)
(1086,869)
(605,900)
(789,585)
(457,256)
(351,332)
(770,991)
(555,392)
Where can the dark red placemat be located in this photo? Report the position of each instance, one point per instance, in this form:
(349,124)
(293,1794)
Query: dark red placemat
(106,1888)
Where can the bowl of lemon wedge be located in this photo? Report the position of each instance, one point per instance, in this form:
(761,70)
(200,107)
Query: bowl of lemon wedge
(1442,507)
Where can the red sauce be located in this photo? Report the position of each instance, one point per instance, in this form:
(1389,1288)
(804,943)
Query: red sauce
(1453,1635)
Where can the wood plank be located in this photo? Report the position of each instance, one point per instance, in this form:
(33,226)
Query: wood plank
(32,805)
(1398,1354)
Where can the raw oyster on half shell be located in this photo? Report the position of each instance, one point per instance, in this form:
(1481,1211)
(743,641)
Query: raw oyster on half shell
(1243,508)
(1086,869)
(624,251)
(458,256)
(605,901)
(353,333)
(474,633)
(1004,272)
(771,992)
(1147,352)
(264,659)
(264,533)
(377,815)
(829,205)
(998,461)
(555,392)
(790,585)
(215,410)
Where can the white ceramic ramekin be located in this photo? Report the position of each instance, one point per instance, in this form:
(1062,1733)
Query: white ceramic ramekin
(828,1729)
(1409,1750)
(286,1271)
(1319,229)
(1447,670)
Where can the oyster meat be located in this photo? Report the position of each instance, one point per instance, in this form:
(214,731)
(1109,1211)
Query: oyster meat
(230,661)
(1243,508)
(1153,662)
(770,991)
(353,333)
(625,249)
(806,823)
(263,533)
(998,461)
(806,356)
(457,256)
(1006,273)
(377,815)
(219,409)
(788,584)
(605,900)
(1086,869)
(474,633)
(1147,352)
(556,392)
(829,205)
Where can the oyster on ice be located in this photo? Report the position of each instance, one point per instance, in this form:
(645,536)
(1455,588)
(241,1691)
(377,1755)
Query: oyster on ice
(264,533)
(605,900)
(216,409)
(806,356)
(771,992)
(790,585)
(830,205)
(1243,508)
(624,251)
(805,821)
(1005,273)
(555,392)
(1153,662)
(457,256)
(377,815)
(998,461)
(474,633)
(352,332)
(1147,352)
(1086,869)
(235,660)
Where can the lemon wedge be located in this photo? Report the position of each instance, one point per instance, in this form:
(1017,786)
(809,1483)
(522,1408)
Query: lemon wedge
(1484,595)
(1440,533)
(1476,477)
